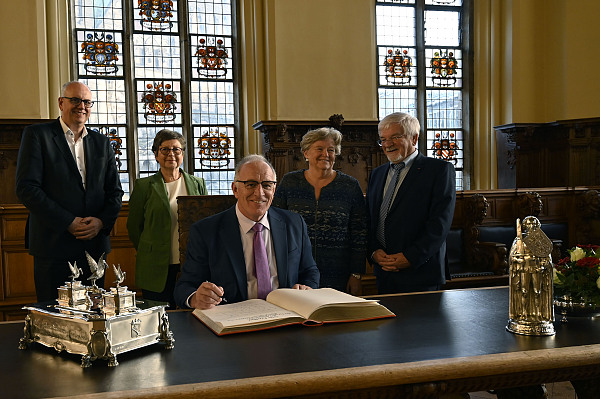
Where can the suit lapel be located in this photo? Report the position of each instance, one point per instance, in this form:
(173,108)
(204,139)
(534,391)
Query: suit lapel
(63,148)
(91,159)
(190,184)
(158,186)
(280,245)
(411,178)
(229,235)
(378,186)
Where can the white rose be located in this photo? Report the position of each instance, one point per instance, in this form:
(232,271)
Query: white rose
(577,253)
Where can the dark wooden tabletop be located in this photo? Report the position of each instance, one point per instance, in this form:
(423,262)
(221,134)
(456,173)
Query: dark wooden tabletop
(431,326)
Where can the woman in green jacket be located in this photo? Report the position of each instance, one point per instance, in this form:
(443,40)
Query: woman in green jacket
(152,223)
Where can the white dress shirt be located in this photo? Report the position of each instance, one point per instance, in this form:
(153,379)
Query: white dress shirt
(247,236)
(76,148)
(175,189)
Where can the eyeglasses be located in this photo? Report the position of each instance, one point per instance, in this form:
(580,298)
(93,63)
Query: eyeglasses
(167,150)
(76,101)
(381,142)
(267,185)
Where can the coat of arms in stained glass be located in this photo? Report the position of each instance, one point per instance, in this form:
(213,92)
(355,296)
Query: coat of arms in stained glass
(159,102)
(214,149)
(212,58)
(156,14)
(398,67)
(100,53)
(443,68)
(445,146)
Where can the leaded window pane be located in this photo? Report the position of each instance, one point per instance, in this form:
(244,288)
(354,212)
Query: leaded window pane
(442,28)
(395,25)
(156,56)
(397,100)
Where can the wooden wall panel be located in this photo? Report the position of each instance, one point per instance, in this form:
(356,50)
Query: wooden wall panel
(18,274)
(13,228)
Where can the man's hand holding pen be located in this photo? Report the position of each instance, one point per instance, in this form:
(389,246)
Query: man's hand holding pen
(207,296)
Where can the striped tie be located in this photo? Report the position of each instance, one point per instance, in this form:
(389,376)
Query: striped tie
(387,201)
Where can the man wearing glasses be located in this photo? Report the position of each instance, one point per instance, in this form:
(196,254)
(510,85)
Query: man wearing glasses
(249,249)
(410,203)
(67,177)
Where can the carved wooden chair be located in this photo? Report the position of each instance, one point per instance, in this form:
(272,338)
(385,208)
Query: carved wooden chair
(477,263)
(192,208)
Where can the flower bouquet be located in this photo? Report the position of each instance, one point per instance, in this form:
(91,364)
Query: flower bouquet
(577,281)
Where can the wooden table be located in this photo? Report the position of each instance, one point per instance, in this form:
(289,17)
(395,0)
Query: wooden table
(449,341)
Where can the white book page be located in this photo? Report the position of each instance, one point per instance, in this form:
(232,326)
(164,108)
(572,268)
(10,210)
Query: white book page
(305,302)
(247,313)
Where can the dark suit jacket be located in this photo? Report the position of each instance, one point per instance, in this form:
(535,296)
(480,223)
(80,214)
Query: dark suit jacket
(50,186)
(215,254)
(418,221)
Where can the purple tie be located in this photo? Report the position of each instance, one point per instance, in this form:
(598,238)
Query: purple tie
(261,263)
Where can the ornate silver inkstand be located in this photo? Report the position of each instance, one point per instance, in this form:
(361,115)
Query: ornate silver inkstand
(531,310)
(95,323)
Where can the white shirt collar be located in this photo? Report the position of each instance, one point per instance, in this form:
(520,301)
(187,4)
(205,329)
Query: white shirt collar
(246,224)
(408,161)
(67,130)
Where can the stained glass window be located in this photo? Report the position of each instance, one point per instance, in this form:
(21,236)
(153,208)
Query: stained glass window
(161,64)
(421,47)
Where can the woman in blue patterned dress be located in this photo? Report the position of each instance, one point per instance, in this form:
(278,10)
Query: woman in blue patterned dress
(333,207)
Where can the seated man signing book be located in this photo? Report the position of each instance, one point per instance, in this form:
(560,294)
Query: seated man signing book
(248,250)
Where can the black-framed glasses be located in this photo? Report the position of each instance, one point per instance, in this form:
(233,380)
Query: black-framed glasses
(76,101)
(381,142)
(267,185)
(167,150)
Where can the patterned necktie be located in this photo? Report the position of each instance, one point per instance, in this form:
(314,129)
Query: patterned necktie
(387,201)
(261,263)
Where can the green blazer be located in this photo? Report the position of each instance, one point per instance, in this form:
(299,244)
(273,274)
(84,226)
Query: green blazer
(149,227)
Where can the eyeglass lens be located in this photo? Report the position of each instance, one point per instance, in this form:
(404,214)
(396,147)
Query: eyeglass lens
(167,150)
(76,101)
(252,184)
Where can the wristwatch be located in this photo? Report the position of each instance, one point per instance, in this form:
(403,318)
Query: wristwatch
(356,276)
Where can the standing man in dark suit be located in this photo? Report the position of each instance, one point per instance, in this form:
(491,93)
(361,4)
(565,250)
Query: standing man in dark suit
(68,179)
(220,260)
(410,203)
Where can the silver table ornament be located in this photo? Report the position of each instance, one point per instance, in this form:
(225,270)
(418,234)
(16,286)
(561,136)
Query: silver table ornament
(96,329)
(531,310)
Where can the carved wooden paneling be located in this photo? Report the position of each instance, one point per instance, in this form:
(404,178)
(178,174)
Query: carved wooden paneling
(558,154)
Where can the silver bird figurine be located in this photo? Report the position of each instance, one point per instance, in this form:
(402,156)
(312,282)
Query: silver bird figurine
(119,274)
(75,271)
(97,268)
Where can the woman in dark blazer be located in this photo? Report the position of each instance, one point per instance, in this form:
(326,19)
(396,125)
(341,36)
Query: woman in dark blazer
(152,222)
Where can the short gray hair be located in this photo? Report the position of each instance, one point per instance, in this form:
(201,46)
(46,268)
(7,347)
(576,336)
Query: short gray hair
(252,158)
(164,135)
(409,123)
(319,134)
(64,87)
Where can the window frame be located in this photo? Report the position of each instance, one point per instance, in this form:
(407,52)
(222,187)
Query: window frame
(466,46)
(187,62)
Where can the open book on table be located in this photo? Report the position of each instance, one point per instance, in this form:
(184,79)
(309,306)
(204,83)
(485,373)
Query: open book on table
(287,306)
